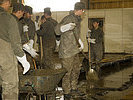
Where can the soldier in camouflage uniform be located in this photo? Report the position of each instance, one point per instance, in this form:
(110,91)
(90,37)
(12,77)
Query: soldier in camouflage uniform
(26,20)
(11,49)
(69,49)
(28,34)
(17,13)
(48,41)
(96,40)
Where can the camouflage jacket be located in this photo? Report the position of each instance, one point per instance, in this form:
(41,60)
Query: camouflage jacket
(26,36)
(20,26)
(68,44)
(9,32)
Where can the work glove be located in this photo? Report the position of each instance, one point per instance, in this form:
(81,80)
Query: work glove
(30,43)
(67,27)
(57,42)
(30,50)
(92,40)
(25,63)
(25,28)
(89,30)
(81,45)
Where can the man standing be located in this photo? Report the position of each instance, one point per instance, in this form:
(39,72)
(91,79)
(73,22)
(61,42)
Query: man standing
(96,40)
(28,26)
(17,13)
(28,34)
(28,31)
(48,41)
(47,14)
(69,29)
(11,48)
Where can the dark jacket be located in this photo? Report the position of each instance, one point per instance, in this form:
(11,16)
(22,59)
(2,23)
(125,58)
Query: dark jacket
(98,35)
(47,32)
(53,21)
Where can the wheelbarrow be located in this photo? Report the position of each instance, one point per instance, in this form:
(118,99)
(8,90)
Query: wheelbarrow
(40,81)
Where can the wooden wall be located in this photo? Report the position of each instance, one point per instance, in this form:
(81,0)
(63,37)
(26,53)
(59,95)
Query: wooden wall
(106,4)
(103,4)
(13,1)
(86,3)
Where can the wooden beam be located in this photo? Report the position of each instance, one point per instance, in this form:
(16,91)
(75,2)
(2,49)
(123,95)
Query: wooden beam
(13,1)
(107,1)
(111,5)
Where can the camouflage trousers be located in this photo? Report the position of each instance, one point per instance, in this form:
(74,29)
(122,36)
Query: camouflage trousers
(70,80)
(96,54)
(8,72)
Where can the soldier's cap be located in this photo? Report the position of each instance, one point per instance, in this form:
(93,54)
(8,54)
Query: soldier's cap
(79,6)
(95,20)
(18,7)
(47,9)
(28,9)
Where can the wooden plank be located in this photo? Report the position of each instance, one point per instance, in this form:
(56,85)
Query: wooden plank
(111,5)
(103,1)
(13,1)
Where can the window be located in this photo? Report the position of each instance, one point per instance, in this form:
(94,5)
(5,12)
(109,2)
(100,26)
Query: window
(55,5)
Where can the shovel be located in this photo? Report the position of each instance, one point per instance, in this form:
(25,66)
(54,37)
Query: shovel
(92,72)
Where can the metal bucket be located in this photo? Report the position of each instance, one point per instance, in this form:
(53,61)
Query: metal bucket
(40,81)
